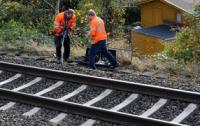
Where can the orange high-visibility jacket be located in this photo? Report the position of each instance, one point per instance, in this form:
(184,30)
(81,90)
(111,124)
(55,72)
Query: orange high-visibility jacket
(97,30)
(59,23)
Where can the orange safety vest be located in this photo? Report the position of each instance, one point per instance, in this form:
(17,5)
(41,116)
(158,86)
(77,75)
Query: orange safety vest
(60,23)
(97,30)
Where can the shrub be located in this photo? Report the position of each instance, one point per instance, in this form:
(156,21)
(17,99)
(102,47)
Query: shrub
(186,47)
(17,37)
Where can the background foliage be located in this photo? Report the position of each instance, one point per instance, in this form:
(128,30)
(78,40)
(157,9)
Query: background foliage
(37,15)
(186,48)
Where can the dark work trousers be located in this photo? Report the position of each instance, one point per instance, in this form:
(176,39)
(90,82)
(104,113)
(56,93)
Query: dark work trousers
(100,46)
(66,44)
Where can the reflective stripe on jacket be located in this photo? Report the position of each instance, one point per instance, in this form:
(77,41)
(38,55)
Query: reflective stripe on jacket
(97,30)
(59,23)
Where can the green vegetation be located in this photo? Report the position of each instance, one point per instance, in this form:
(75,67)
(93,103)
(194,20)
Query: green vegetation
(24,22)
(186,47)
(16,37)
(25,26)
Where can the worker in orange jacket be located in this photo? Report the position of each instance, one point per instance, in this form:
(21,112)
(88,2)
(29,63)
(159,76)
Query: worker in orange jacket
(99,36)
(64,23)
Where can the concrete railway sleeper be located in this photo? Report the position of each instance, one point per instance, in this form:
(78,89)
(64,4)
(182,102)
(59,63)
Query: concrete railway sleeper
(111,113)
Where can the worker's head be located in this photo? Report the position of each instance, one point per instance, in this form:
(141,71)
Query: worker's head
(91,14)
(69,13)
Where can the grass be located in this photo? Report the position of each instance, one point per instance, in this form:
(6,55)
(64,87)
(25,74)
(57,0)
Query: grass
(29,46)
(157,64)
(78,51)
(124,55)
(15,37)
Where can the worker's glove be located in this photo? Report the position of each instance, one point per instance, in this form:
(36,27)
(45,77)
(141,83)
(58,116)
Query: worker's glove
(64,33)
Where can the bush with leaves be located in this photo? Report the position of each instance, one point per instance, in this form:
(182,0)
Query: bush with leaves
(186,47)
(38,16)
(17,37)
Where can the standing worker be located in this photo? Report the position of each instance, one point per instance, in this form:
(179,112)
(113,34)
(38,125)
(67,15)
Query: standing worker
(99,36)
(64,23)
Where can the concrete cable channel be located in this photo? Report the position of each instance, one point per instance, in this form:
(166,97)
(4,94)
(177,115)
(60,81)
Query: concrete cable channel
(77,99)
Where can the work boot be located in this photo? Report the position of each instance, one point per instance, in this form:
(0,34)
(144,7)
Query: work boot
(92,67)
(58,61)
(114,66)
(68,60)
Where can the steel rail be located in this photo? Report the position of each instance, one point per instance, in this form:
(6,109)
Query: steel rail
(164,92)
(91,112)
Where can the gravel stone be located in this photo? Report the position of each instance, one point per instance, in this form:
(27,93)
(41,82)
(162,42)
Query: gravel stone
(101,123)
(184,84)
(13,118)
(63,90)
(194,119)
(43,84)
(43,114)
(140,105)
(112,100)
(3,102)
(72,120)
(18,82)
(46,114)
(170,111)
(87,95)
(20,108)
(5,75)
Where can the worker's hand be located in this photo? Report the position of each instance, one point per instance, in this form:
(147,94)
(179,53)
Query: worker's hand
(62,34)
(88,36)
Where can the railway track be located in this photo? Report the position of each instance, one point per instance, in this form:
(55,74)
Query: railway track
(96,98)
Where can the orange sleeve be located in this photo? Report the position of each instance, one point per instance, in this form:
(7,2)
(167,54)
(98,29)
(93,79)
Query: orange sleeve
(57,25)
(93,28)
(72,23)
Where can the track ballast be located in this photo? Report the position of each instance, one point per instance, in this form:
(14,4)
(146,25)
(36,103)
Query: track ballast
(121,102)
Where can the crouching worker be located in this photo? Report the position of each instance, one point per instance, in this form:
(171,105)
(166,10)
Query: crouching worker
(99,36)
(64,23)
